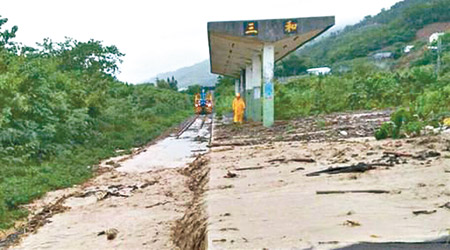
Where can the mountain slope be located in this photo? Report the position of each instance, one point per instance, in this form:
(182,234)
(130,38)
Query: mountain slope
(390,28)
(196,74)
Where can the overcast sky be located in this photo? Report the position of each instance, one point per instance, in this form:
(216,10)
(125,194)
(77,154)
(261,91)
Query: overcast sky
(162,35)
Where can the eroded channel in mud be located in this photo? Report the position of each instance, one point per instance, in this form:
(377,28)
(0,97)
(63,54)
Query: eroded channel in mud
(144,197)
(189,232)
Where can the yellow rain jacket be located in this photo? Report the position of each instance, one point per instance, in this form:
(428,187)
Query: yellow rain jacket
(238,109)
(447,121)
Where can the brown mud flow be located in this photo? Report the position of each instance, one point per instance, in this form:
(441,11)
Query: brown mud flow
(325,183)
(189,232)
(151,199)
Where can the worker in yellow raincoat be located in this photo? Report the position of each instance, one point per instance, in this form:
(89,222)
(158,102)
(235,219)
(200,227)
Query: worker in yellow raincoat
(447,122)
(238,108)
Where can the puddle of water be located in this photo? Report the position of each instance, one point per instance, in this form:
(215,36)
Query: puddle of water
(170,152)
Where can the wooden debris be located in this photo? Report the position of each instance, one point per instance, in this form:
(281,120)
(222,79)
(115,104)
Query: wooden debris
(284,160)
(249,168)
(426,154)
(214,145)
(230,175)
(228,229)
(225,186)
(417,212)
(111,233)
(328,242)
(446,205)
(351,223)
(397,154)
(277,160)
(358,168)
(371,191)
(297,169)
(302,160)
(157,204)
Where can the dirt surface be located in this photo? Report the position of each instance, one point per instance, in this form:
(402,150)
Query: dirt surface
(263,195)
(312,183)
(321,128)
(136,201)
(428,30)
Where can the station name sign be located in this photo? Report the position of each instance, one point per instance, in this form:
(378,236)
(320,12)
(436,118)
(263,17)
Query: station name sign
(251,28)
(290,27)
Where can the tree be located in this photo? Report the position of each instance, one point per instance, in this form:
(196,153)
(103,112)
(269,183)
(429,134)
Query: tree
(162,84)
(6,35)
(173,83)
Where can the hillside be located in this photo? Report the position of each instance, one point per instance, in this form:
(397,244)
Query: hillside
(196,74)
(390,29)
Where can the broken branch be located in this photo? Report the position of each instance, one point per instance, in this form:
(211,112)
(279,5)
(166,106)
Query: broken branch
(372,191)
(397,154)
(249,168)
(358,168)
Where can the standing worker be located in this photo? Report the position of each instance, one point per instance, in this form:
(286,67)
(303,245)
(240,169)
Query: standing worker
(238,108)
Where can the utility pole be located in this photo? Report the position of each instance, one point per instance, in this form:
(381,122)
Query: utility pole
(438,62)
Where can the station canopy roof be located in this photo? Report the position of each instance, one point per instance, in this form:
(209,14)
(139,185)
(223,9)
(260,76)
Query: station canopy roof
(232,44)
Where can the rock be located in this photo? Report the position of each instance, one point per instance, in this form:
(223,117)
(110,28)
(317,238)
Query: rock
(111,233)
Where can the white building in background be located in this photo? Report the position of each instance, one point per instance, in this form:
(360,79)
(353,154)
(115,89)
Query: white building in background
(408,48)
(382,55)
(434,37)
(319,71)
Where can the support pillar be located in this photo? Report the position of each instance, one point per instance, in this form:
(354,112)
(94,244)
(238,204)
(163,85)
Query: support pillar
(248,93)
(268,88)
(242,83)
(256,83)
(236,86)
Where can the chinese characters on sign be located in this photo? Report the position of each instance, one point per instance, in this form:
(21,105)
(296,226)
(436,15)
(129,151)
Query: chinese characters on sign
(290,27)
(250,28)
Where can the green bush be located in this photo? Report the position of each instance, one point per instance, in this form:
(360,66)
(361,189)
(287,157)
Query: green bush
(62,111)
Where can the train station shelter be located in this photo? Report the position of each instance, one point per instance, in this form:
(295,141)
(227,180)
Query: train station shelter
(248,50)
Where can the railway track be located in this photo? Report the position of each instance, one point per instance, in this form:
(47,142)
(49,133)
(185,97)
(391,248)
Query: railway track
(201,120)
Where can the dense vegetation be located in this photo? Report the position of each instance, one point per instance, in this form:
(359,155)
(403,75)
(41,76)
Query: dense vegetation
(390,30)
(224,95)
(62,110)
(418,89)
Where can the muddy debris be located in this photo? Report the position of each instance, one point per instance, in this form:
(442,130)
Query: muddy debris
(371,191)
(351,223)
(417,212)
(225,186)
(297,169)
(424,155)
(356,168)
(230,175)
(111,233)
(38,220)
(446,205)
(284,160)
(158,204)
(114,190)
(249,168)
(189,232)
(228,229)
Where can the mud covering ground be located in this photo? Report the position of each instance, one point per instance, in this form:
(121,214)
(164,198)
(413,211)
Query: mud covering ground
(146,200)
(262,194)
